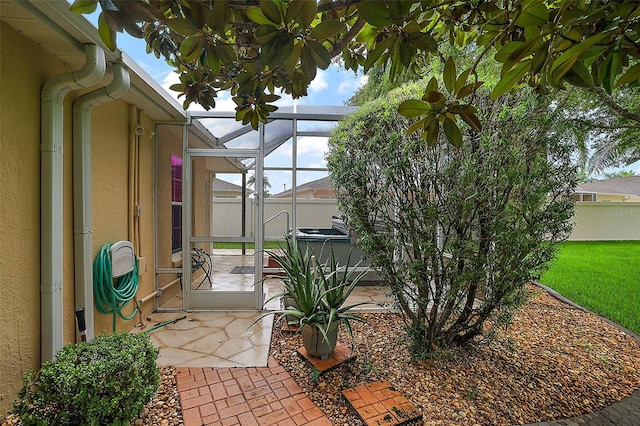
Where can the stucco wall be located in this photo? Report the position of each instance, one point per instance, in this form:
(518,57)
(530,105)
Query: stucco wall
(22,77)
(111,135)
(606,221)
(21,81)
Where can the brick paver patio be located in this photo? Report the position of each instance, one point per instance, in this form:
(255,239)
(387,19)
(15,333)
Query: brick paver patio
(255,396)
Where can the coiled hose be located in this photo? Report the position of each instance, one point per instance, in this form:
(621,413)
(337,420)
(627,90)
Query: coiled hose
(111,298)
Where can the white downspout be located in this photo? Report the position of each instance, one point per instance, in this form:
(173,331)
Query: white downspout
(51,193)
(82,214)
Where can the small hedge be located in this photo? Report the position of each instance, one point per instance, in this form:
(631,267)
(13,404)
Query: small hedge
(105,381)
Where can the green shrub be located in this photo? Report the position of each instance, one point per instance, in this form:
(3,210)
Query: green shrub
(102,382)
(455,232)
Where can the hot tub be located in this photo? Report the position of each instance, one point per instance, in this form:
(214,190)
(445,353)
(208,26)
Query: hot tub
(322,240)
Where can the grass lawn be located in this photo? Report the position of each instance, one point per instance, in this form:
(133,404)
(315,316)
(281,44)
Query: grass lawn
(602,276)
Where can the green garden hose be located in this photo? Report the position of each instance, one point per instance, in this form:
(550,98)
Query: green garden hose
(112,297)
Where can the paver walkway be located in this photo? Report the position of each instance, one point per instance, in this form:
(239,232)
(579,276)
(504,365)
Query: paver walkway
(264,396)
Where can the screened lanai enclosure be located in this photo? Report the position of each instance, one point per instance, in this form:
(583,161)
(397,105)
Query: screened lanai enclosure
(222,189)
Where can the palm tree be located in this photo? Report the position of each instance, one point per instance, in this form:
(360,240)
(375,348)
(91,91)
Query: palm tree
(251,182)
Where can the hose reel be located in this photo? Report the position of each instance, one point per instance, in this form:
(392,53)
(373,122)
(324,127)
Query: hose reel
(115,279)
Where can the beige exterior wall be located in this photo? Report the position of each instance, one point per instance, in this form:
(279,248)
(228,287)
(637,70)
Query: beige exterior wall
(112,138)
(22,78)
(606,221)
(611,197)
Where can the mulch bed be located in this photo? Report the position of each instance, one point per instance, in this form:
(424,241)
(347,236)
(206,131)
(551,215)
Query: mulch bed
(553,362)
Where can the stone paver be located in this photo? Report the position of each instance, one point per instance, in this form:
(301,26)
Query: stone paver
(378,404)
(255,396)
(341,354)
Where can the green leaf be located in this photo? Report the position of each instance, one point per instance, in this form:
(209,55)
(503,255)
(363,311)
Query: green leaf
(582,73)
(107,35)
(374,54)
(433,96)
(212,61)
(265,33)
(270,97)
(423,41)
(540,57)
(613,69)
(221,14)
(449,75)
(413,108)
(320,55)
(632,74)
(308,64)
(432,86)
(416,126)
(326,29)
(469,89)
(257,16)
(293,59)
(535,13)
(367,34)
(576,50)
(272,10)
(84,6)
(461,81)
(510,79)
(182,26)
(452,132)
(303,12)
(432,130)
(468,114)
(375,13)
(505,51)
(558,74)
(190,48)
(519,53)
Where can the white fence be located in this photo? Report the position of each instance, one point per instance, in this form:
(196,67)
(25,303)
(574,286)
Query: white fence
(592,220)
(606,221)
(310,213)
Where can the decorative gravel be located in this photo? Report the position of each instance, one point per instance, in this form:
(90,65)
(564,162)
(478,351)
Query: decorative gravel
(553,362)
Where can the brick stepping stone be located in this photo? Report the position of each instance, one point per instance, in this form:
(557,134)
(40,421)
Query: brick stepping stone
(341,354)
(378,404)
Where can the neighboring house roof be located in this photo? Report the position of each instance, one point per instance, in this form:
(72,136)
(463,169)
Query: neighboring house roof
(323,184)
(220,185)
(628,185)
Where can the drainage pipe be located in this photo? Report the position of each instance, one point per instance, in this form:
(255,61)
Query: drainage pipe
(82,213)
(51,193)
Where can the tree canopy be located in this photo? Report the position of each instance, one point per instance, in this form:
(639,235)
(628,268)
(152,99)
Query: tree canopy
(257,48)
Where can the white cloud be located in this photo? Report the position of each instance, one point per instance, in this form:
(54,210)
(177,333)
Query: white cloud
(350,85)
(319,83)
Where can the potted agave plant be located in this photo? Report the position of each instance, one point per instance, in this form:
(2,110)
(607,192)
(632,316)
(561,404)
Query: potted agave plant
(317,296)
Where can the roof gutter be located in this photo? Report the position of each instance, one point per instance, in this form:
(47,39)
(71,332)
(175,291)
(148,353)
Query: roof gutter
(82,213)
(51,192)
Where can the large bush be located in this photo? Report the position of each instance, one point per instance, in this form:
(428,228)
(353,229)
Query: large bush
(102,382)
(456,232)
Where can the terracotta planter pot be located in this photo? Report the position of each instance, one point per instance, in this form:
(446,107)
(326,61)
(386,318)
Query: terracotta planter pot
(314,342)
